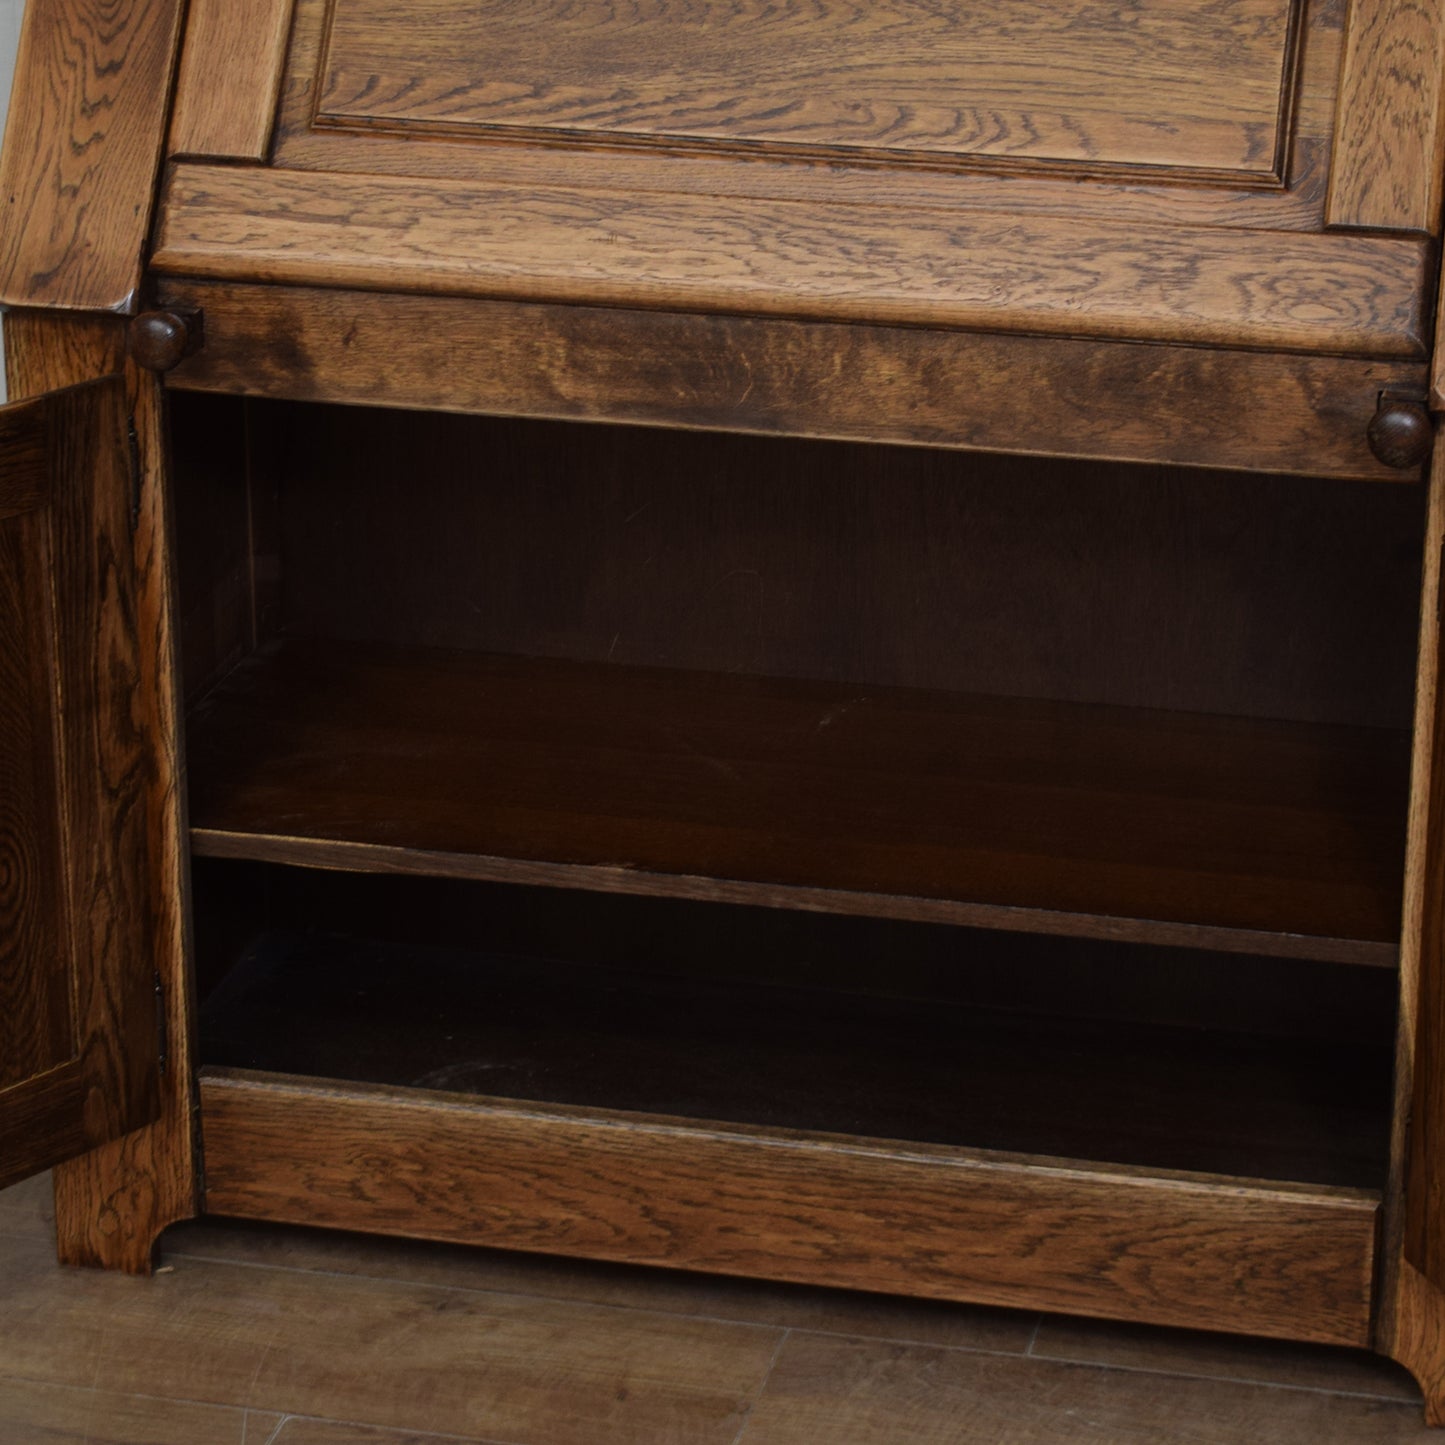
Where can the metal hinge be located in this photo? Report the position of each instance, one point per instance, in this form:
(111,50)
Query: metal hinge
(163,1037)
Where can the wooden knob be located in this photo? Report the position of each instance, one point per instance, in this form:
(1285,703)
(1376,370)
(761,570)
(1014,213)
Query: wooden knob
(159,339)
(1401,432)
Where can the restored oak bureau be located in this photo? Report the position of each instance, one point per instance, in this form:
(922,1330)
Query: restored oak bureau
(788,639)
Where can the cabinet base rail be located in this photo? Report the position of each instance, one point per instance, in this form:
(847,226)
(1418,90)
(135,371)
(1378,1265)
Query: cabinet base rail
(1170,1248)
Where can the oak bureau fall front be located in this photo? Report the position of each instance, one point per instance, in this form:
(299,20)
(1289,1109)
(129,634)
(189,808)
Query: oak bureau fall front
(794,639)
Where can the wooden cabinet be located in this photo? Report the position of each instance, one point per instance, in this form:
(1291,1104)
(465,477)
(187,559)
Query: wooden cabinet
(781,641)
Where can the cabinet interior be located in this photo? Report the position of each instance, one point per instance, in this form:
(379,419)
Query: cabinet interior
(1018,804)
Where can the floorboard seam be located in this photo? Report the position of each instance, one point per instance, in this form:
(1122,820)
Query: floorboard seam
(276,1432)
(758,1393)
(100,1390)
(444,1437)
(1184,1374)
(517,1294)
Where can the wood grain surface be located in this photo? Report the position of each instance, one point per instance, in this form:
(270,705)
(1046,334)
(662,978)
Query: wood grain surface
(111,1203)
(1187,1249)
(1390,130)
(230,78)
(79,1018)
(521,157)
(1423,981)
(37,1025)
(1410,1305)
(1173,85)
(23,449)
(1361,295)
(1009,813)
(1023,394)
(77,176)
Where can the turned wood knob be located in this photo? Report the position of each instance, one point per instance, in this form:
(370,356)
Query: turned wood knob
(159,339)
(1401,432)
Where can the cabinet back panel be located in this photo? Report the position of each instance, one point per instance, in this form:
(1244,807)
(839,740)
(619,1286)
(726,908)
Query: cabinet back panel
(216,579)
(1142,586)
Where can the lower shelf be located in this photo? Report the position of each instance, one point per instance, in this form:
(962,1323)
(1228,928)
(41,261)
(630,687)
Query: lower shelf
(824,1058)
(1104,822)
(1163,1247)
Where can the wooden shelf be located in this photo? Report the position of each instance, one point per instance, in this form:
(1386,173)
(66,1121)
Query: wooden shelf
(1223,833)
(917,1070)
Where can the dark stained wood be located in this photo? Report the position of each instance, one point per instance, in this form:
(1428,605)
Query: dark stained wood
(217,540)
(1389,142)
(159,339)
(1424,1007)
(1301,1002)
(1411,1330)
(1197,1250)
(1037,395)
(1192,89)
(861,565)
(37,1030)
(834,1053)
(113,581)
(1410,1309)
(1219,832)
(1401,433)
(230,78)
(1360,295)
(87,122)
(22,461)
(875,178)
(80,1054)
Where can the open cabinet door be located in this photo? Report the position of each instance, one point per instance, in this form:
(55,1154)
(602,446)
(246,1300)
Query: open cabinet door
(81,1050)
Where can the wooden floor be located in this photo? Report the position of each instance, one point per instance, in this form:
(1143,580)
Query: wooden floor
(255,1336)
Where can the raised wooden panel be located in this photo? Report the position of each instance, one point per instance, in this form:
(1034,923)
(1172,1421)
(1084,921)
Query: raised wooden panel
(37,1028)
(1386,172)
(1183,1249)
(230,78)
(523,155)
(1171,83)
(83,146)
(78,1045)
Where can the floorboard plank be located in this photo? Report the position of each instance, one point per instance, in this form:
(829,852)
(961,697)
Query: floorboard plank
(1221,1357)
(38,1414)
(232,1291)
(854,1392)
(399,1355)
(712,1297)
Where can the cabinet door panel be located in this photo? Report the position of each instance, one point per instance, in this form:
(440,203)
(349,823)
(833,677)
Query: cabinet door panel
(79,1062)
(1174,84)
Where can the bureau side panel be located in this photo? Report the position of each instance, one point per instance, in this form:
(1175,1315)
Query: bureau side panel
(82,150)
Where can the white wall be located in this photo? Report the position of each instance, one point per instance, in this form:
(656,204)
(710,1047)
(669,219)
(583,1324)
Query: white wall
(10,11)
